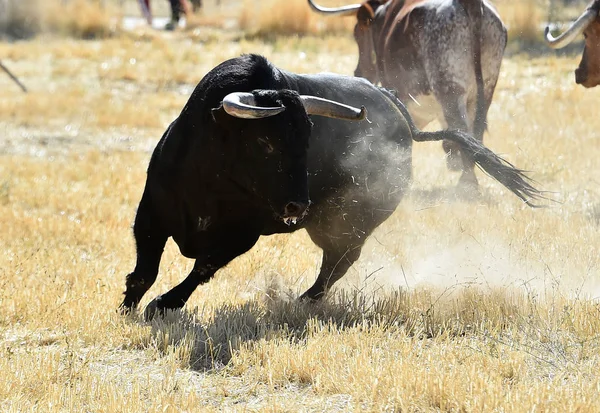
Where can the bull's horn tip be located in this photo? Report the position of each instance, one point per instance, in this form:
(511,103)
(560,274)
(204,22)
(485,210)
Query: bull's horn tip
(363,113)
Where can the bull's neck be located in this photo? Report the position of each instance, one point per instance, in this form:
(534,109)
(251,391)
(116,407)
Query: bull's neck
(289,80)
(299,83)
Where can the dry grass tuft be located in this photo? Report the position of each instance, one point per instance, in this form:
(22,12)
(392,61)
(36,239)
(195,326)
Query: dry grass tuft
(524,19)
(85,19)
(210,15)
(294,17)
(19,18)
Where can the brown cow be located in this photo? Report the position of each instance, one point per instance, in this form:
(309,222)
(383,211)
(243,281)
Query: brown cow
(588,72)
(448,50)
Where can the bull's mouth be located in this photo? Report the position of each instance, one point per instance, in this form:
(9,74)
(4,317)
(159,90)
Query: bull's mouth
(291,220)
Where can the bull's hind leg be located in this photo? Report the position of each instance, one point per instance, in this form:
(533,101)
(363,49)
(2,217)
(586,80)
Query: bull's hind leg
(214,257)
(150,243)
(338,257)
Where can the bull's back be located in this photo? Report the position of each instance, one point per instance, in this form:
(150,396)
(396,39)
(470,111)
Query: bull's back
(381,114)
(367,157)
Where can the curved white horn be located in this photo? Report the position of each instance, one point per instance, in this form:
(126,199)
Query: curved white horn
(243,105)
(572,32)
(324,107)
(340,11)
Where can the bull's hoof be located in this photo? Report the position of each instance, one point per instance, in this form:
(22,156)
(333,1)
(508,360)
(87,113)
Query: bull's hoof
(153,309)
(306,299)
(312,296)
(128,306)
(125,310)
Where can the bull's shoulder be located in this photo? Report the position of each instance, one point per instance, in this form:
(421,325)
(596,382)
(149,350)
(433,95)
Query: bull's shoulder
(339,77)
(169,148)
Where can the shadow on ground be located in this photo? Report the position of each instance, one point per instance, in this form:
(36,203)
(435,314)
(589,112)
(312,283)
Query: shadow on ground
(215,338)
(213,335)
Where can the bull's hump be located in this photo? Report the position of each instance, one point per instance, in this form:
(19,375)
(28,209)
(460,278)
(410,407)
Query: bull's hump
(341,81)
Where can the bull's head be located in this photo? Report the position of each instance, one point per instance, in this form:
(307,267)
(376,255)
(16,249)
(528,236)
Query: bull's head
(588,72)
(363,33)
(270,131)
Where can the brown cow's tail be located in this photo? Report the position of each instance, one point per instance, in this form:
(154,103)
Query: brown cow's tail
(474,10)
(503,171)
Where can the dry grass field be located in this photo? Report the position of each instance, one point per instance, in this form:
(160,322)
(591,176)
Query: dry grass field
(476,306)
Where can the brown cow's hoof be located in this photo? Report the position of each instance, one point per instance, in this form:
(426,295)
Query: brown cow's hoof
(468,187)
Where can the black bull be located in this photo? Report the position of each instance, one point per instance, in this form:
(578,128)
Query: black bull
(216,182)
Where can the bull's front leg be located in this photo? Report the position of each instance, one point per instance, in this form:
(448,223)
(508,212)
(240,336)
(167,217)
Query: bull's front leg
(150,242)
(219,253)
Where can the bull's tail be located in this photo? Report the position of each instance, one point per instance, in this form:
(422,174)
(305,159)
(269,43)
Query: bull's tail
(474,10)
(503,171)
(512,178)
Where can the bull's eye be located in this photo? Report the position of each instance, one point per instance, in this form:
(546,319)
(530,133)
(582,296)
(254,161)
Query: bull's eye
(267,147)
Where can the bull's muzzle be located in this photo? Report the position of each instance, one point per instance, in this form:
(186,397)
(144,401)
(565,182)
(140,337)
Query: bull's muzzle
(294,212)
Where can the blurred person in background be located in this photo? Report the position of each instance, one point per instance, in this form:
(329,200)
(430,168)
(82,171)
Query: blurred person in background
(146,11)
(179,7)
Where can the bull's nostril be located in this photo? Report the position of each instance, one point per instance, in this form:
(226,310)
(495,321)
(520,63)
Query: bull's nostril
(294,209)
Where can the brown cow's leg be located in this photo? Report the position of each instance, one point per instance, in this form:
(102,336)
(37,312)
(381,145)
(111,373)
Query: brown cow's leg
(454,106)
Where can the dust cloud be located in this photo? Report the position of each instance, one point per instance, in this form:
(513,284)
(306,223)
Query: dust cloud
(488,266)
(413,262)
